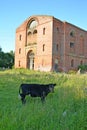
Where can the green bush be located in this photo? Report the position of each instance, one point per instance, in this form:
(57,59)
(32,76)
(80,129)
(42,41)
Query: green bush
(82,67)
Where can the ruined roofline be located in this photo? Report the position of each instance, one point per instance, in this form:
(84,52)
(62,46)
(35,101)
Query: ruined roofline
(31,17)
(65,22)
(54,18)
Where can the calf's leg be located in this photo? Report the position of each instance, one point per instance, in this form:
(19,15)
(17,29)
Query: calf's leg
(43,97)
(23,99)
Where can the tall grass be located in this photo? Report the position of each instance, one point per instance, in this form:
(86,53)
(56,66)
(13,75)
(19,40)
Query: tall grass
(65,109)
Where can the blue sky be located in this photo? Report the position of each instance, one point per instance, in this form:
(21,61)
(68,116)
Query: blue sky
(15,12)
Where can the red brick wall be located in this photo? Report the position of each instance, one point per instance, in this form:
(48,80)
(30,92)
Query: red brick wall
(60,46)
(78,51)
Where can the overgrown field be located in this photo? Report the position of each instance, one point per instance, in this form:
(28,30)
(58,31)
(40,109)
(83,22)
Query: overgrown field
(65,109)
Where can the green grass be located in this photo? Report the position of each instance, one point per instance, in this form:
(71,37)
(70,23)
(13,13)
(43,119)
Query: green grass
(65,109)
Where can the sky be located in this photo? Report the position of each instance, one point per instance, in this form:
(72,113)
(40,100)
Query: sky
(14,12)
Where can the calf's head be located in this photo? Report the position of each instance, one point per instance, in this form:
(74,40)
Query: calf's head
(51,87)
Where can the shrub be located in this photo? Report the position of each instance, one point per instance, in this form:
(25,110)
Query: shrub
(82,67)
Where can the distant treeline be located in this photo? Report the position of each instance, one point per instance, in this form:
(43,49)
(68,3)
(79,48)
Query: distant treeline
(6,59)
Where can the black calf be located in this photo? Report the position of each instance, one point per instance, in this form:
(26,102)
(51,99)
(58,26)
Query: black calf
(35,90)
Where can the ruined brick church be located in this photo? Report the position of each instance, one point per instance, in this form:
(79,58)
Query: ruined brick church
(46,43)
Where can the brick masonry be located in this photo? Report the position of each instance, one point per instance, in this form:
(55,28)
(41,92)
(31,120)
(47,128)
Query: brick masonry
(48,44)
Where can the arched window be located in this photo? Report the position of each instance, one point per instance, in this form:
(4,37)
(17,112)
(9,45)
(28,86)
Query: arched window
(31,27)
(29,33)
(57,29)
(19,50)
(20,37)
(72,45)
(72,63)
(44,31)
(72,33)
(43,47)
(81,62)
(32,24)
(35,31)
(19,63)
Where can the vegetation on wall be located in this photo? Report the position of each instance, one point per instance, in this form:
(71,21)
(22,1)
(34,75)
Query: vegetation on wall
(82,67)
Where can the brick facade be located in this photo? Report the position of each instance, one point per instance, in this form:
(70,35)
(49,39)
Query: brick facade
(47,44)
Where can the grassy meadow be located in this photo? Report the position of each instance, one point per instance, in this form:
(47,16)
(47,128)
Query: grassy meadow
(65,109)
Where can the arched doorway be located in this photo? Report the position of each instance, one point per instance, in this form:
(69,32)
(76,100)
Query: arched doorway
(30,60)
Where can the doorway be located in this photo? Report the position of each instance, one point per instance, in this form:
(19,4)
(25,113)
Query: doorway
(30,60)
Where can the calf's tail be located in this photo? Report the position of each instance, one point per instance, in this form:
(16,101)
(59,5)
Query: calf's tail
(20,90)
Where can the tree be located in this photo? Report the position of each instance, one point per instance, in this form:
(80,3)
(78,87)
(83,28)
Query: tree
(0,49)
(1,59)
(6,59)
